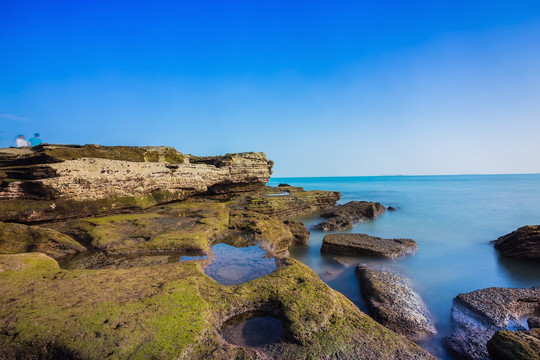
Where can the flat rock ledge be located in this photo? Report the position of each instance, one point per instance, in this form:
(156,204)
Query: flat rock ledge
(478,315)
(346,215)
(366,245)
(515,345)
(523,243)
(394,304)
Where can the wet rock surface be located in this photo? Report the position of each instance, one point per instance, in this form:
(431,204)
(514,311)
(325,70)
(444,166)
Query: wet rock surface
(346,215)
(523,243)
(515,345)
(394,304)
(366,245)
(478,315)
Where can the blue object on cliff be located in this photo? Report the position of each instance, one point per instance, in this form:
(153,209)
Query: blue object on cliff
(35,140)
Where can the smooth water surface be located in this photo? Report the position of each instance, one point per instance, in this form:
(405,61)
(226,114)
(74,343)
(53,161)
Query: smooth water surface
(452,218)
(237,265)
(253,330)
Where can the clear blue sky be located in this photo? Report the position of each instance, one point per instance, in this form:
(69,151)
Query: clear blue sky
(323,87)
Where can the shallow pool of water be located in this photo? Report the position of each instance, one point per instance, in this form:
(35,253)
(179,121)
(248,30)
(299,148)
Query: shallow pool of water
(252,329)
(237,265)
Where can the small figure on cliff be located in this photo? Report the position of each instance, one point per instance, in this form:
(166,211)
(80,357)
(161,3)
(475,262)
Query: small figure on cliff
(34,141)
(21,141)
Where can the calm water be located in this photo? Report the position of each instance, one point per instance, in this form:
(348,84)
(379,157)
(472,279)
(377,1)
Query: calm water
(452,218)
(237,265)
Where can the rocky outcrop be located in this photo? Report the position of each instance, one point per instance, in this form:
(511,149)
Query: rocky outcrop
(297,202)
(69,180)
(394,304)
(346,215)
(299,231)
(477,315)
(366,245)
(515,345)
(523,243)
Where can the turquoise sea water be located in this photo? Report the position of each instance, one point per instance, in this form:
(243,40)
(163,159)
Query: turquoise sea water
(452,218)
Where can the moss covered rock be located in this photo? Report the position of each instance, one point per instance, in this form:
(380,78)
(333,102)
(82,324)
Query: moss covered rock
(175,311)
(19,238)
(515,345)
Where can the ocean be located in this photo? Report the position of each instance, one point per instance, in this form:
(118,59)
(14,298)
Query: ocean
(452,218)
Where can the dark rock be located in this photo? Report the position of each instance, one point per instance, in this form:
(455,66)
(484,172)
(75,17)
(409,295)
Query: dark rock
(344,216)
(391,208)
(477,315)
(515,345)
(523,243)
(282,185)
(299,231)
(363,244)
(394,304)
(533,322)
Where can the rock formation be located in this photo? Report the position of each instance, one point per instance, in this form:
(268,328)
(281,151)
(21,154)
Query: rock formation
(515,345)
(299,230)
(68,180)
(365,245)
(128,214)
(523,243)
(477,315)
(346,215)
(394,304)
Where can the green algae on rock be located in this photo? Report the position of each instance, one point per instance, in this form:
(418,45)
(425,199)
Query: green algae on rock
(175,311)
(19,238)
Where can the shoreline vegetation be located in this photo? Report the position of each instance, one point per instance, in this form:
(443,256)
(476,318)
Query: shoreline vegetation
(90,242)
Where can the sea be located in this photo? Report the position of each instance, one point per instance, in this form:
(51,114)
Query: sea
(452,218)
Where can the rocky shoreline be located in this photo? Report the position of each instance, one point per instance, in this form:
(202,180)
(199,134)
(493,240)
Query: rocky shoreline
(115,252)
(124,215)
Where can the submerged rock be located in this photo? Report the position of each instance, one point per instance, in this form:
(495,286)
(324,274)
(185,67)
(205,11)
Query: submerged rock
(366,245)
(346,215)
(394,304)
(515,345)
(523,243)
(477,315)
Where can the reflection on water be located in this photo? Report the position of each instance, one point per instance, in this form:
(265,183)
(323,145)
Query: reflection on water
(452,218)
(252,329)
(237,265)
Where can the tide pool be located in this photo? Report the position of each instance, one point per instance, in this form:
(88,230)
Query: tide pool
(452,218)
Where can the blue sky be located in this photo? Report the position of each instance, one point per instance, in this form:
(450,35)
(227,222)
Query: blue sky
(324,88)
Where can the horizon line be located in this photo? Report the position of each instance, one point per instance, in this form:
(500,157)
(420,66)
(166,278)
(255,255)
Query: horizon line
(400,175)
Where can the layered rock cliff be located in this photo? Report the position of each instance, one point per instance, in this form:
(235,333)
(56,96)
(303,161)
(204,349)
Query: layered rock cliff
(65,180)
